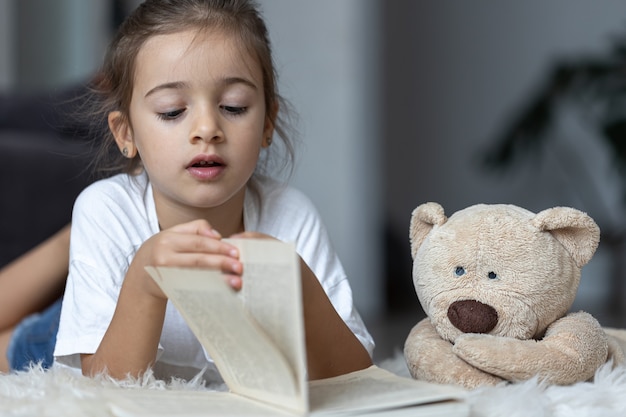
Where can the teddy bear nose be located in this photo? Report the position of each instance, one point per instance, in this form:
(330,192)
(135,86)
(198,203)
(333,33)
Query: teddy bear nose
(471,316)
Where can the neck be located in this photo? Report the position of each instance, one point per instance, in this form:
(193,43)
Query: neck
(226,218)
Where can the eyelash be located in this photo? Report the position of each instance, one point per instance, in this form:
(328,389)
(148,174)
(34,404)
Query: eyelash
(234,110)
(170,115)
(231,110)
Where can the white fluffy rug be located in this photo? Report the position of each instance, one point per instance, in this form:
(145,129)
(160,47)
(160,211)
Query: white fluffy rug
(59,392)
(604,397)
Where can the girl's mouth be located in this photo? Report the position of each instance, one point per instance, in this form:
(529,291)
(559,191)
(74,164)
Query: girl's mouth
(206,164)
(206,168)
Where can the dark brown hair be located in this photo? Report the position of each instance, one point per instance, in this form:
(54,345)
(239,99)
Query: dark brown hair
(240,18)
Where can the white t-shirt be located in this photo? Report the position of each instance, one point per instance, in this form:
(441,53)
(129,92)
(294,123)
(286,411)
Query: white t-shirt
(111,220)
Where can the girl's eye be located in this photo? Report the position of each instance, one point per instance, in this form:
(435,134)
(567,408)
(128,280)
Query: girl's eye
(170,115)
(492,275)
(234,110)
(459,271)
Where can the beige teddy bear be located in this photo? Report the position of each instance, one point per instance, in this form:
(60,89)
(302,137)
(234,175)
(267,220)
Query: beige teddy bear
(496,282)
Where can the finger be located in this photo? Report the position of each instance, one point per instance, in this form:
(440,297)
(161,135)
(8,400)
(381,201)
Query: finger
(234,281)
(169,246)
(203,244)
(222,263)
(197,227)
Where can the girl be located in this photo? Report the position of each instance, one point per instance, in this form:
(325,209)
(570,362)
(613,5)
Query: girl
(190,93)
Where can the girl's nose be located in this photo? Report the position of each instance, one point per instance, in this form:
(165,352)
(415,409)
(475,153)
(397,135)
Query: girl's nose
(206,127)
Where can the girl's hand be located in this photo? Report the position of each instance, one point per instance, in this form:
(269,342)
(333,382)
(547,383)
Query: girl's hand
(193,245)
(138,319)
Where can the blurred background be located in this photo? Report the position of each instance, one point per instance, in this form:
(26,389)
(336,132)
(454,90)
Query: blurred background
(403,102)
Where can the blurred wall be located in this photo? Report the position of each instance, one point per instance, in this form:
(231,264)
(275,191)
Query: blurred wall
(454,75)
(456,72)
(58,42)
(327,59)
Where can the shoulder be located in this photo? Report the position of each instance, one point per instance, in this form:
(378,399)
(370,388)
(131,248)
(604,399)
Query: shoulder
(286,213)
(279,209)
(120,212)
(119,188)
(122,201)
(120,195)
(275,194)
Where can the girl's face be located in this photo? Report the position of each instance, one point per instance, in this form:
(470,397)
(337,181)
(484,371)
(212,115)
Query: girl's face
(197,119)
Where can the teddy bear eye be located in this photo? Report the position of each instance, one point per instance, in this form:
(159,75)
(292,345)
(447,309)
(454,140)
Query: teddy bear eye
(492,275)
(459,271)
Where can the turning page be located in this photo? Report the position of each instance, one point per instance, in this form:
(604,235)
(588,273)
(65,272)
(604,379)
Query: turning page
(256,336)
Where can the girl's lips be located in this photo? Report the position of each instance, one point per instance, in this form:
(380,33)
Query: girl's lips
(206,167)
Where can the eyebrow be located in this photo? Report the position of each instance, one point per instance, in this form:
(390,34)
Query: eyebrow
(178,85)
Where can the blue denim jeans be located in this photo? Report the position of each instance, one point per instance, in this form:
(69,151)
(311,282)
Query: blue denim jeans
(34,338)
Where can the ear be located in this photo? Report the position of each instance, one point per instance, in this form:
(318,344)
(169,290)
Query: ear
(270,124)
(123,134)
(575,230)
(423,218)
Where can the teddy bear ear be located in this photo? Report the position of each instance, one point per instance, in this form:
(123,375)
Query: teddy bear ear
(423,218)
(575,230)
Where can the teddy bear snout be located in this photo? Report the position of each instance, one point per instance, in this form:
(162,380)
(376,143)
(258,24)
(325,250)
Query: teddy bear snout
(471,316)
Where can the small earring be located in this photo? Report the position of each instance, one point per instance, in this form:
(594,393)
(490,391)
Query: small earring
(269,140)
(125,152)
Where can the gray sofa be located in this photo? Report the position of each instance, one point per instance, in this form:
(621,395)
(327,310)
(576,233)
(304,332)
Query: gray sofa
(45,160)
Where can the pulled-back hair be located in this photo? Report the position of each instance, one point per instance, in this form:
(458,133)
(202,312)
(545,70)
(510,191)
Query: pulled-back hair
(114,86)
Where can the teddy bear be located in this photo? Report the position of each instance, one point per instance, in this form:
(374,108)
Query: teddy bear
(496,282)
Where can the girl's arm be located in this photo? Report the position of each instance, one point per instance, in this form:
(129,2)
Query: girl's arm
(34,280)
(332,348)
(131,341)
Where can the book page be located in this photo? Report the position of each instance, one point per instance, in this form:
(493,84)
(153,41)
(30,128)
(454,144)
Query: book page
(375,389)
(272,294)
(227,323)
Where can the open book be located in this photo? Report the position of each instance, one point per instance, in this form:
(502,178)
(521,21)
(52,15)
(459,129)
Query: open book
(256,338)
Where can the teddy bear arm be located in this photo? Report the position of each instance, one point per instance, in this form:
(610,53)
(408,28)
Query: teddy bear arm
(571,351)
(617,345)
(430,358)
